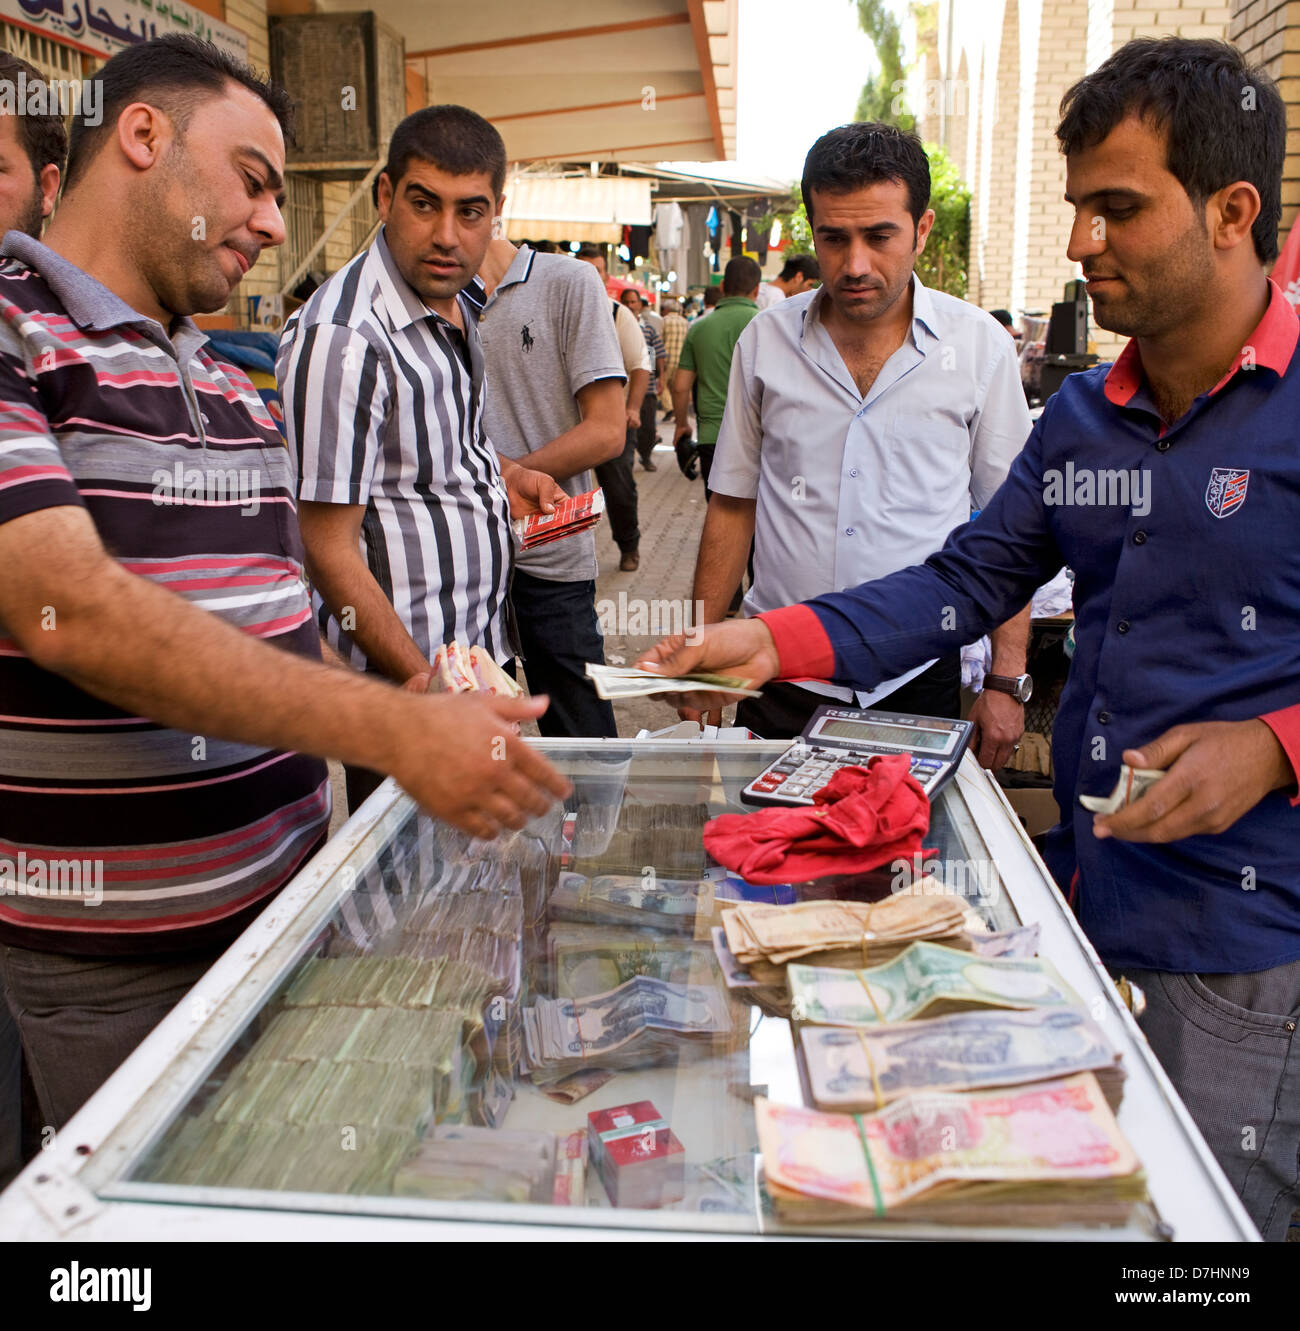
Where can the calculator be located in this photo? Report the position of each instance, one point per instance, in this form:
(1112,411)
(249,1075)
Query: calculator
(838,737)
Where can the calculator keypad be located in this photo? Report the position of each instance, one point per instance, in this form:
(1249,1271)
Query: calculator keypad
(796,779)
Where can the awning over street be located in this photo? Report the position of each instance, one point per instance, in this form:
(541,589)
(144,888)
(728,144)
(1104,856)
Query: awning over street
(581,79)
(594,208)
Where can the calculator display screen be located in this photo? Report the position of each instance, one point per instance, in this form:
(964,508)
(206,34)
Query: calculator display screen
(874,732)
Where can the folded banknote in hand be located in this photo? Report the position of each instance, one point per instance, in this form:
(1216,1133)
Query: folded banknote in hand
(1132,784)
(614,682)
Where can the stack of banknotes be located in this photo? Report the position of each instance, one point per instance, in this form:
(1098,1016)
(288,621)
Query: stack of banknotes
(764,939)
(577,513)
(866,1067)
(926,979)
(1133,783)
(352,1065)
(666,837)
(1044,1154)
(641,1023)
(590,959)
(616,682)
(640,901)
(461,1163)
(200,1152)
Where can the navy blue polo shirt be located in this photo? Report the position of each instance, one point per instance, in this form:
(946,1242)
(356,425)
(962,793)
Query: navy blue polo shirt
(1184,544)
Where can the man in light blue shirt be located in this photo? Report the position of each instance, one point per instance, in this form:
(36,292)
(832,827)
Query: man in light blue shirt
(864,421)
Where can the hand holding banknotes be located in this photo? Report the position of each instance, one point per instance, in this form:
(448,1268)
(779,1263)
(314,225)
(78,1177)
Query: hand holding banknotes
(478,775)
(1216,772)
(530,491)
(739,647)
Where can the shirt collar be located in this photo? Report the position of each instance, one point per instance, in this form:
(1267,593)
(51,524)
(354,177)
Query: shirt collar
(521,268)
(1271,345)
(923,312)
(88,302)
(923,308)
(401,302)
(736,300)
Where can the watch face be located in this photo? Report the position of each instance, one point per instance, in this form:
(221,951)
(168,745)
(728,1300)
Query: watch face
(1024,689)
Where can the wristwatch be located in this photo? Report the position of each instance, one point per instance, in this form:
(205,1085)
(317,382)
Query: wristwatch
(1020,687)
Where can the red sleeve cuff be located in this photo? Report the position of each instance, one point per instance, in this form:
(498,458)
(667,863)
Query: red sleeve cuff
(1285,724)
(804,650)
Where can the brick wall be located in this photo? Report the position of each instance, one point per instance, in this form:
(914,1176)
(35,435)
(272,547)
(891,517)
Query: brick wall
(993,245)
(1268,33)
(1005,144)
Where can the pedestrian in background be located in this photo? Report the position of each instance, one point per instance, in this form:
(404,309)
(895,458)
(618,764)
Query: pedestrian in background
(554,403)
(674,335)
(705,364)
(647,431)
(800,274)
(617,477)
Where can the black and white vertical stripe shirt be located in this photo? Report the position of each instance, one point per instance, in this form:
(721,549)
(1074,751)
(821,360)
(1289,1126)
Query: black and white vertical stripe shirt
(383,404)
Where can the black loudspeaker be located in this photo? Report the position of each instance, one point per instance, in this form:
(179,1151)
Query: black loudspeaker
(1067,334)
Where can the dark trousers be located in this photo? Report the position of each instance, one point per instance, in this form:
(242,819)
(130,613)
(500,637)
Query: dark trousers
(361,783)
(619,484)
(706,466)
(784,709)
(1230,1047)
(647,434)
(560,634)
(11,1098)
(79,1017)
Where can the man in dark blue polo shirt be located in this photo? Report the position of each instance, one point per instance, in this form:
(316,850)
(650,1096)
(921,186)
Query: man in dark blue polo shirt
(1170,483)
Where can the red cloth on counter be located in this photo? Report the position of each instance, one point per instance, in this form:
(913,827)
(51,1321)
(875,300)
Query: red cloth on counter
(863,817)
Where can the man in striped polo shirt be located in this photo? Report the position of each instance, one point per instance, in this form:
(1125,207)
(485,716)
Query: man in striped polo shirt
(154,791)
(406,505)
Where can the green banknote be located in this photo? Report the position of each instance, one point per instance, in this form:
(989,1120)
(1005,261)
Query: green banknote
(926,978)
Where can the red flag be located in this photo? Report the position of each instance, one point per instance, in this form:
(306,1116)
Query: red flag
(1286,271)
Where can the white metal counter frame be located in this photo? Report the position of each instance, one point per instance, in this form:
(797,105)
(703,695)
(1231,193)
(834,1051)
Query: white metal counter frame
(76,1188)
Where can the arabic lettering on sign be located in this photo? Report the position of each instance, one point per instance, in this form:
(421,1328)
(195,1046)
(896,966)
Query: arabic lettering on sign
(110,26)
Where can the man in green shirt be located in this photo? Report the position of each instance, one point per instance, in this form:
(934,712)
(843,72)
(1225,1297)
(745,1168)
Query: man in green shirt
(706,356)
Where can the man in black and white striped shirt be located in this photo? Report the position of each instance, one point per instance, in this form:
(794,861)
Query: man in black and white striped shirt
(405,506)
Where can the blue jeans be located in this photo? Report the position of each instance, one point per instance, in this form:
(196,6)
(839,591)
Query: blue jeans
(560,634)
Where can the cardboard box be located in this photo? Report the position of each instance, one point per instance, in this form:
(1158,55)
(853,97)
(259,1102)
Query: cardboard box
(1037,809)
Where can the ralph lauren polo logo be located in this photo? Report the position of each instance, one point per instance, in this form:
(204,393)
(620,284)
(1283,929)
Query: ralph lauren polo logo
(526,338)
(1226,491)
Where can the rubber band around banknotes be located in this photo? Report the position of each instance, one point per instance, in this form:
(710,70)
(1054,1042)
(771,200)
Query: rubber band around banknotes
(577,1021)
(871,998)
(867,934)
(871,1167)
(871,1067)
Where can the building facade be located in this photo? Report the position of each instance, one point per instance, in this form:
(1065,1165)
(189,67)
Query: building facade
(987,86)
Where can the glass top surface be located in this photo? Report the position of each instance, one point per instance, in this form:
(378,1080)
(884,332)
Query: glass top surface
(423,1047)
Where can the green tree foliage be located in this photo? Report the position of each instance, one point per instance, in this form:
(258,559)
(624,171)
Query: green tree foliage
(880,92)
(943,266)
(794,226)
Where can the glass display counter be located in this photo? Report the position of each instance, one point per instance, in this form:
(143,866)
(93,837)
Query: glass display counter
(397,1046)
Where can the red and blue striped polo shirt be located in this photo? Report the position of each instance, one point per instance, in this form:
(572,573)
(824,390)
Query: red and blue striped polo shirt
(119,836)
